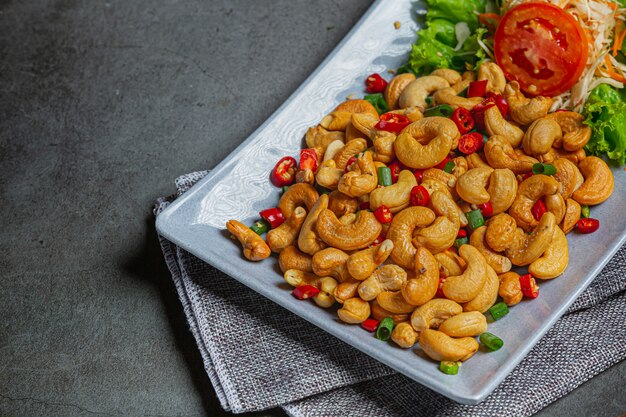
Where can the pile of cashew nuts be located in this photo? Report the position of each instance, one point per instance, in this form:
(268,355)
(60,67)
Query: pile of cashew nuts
(394,269)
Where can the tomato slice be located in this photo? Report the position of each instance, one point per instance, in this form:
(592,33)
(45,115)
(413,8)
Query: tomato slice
(542,47)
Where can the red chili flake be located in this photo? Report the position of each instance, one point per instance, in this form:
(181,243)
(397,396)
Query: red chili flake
(486,209)
(395,168)
(462,233)
(308,159)
(442,279)
(477,89)
(274,216)
(392,122)
(500,101)
(350,162)
(364,205)
(470,143)
(419,175)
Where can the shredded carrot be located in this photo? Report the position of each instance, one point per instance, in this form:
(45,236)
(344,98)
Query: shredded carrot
(617,40)
(612,5)
(612,73)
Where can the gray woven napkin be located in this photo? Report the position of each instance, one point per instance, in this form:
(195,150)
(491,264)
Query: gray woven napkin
(259,355)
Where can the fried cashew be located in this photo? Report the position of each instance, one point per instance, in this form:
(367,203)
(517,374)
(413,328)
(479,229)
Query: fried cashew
(450,75)
(449,96)
(431,314)
(395,87)
(599,182)
(326,285)
(328,175)
(525,249)
(415,93)
(540,136)
(487,296)
(287,233)
(362,180)
(463,288)
(441,347)
(386,278)
(397,196)
(382,140)
(510,288)
(443,178)
(500,154)
(498,125)
(351,148)
(340,117)
(568,175)
(499,263)
(394,301)
(318,136)
(423,286)
(572,215)
(357,235)
(440,235)
(403,335)
(298,195)
(575,133)
(502,189)
(450,263)
(254,247)
(500,231)
(528,192)
(346,290)
(554,260)
(354,310)
(380,313)
(401,234)
(472,185)
(292,258)
(425,143)
(342,204)
(308,240)
(491,72)
(363,263)
(469,324)
(525,110)
(331,262)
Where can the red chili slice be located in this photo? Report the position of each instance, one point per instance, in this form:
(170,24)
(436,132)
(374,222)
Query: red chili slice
(538,210)
(370,325)
(529,286)
(274,216)
(284,172)
(419,175)
(462,233)
(308,159)
(383,214)
(392,122)
(486,209)
(478,112)
(304,292)
(500,101)
(350,162)
(395,168)
(477,89)
(381,237)
(587,225)
(419,196)
(375,84)
(463,120)
(470,143)
(442,279)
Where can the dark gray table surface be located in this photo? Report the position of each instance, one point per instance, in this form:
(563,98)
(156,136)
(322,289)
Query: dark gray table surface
(103,104)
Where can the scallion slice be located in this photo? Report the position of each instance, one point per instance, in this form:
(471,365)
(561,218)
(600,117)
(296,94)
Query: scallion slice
(491,341)
(475,219)
(499,310)
(384,329)
(384,176)
(442,110)
(449,367)
(545,169)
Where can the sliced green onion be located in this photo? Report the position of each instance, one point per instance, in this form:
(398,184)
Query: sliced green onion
(378,101)
(384,329)
(498,311)
(285,188)
(449,167)
(545,169)
(475,219)
(585,211)
(449,367)
(491,341)
(442,110)
(260,227)
(428,100)
(460,242)
(384,176)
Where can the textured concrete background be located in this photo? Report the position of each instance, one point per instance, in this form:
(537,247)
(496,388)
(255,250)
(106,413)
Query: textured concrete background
(102,105)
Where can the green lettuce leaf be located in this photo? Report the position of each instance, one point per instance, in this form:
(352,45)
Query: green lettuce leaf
(456,11)
(605,113)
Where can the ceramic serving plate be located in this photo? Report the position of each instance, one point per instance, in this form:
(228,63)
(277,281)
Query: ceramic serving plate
(239,187)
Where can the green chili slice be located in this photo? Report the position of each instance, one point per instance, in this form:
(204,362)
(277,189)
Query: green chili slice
(449,367)
(383,332)
(260,227)
(378,101)
(460,242)
(285,188)
(475,219)
(545,169)
(585,211)
(498,311)
(384,176)
(442,110)
(491,341)
(449,167)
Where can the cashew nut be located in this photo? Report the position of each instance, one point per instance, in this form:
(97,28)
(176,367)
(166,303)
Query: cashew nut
(433,313)
(412,113)
(540,136)
(568,175)
(463,288)
(328,175)
(380,313)
(318,136)
(525,248)
(354,310)
(556,205)
(498,262)
(450,75)
(460,166)
(441,234)
(424,285)
(415,93)
(342,204)
(395,87)
(340,117)
(332,149)
(449,96)
(254,247)
(450,263)
(599,183)
(468,77)
(362,180)
(500,231)
(326,285)
(510,288)
(287,233)
(382,140)
(441,347)
(474,160)
(397,196)
(500,154)
(292,258)
(467,324)
(525,110)
(528,192)
(308,240)
(491,72)
(394,301)
(385,278)
(351,148)
(401,233)
(363,263)
(425,143)
(305,176)
(572,215)
(403,335)
(554,260)
(498,125)
(357,235)
(331,262)
(297,195)
(487,296)
(471,186)
(575,133)
(346,290)
(448,180)
(502,189)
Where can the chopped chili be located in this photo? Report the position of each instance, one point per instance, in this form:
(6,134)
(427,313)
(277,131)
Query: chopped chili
(392,122)
(463,120)
(370,325)
(539,209)
(529,286)
(383,214)
(477,89)
(375,84)
(305,292)
(284,172)
(471,142)
(419,196)
(587,225)
(395,168)
(274,216)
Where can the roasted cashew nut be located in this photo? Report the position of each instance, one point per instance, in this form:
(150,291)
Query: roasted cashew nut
(363,263)
(500,154)
(510,288)
(450,263)
(502,189)
(498,125)
(351,148)
(528,192)
(346,290)
(500,231)
(340,117)
(487,296)
(554,260)
(385,278)
(318,136)
(292,258)
(287,233)
(395,87)
(382,140)
(463,288)
(525,110)
(491,72)
(297,195)
(401,234)
(342,204)
(254,247)
(568,175)
(380,313)
(394,301)
(540,136)
(449,181)
(415,93)
(328,175)
(575,133)
(441,347)
(354,310)
(425,143)
(499,263)
(440,235)
(472,186)
(403,335)
(450,75)
(395,197)
(434,312)
(599,182)
(449,96)
(326,285)
(423,287)
(467,324)
(308,239)
(474,160)
(524,248)
(362,180)
(357,235)
(572,215)
(468,77)
(331,262)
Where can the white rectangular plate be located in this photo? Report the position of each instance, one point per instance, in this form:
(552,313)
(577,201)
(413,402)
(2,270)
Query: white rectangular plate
(239,187)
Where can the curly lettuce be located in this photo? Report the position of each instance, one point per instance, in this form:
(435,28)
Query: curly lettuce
(605,113)
(456,11)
